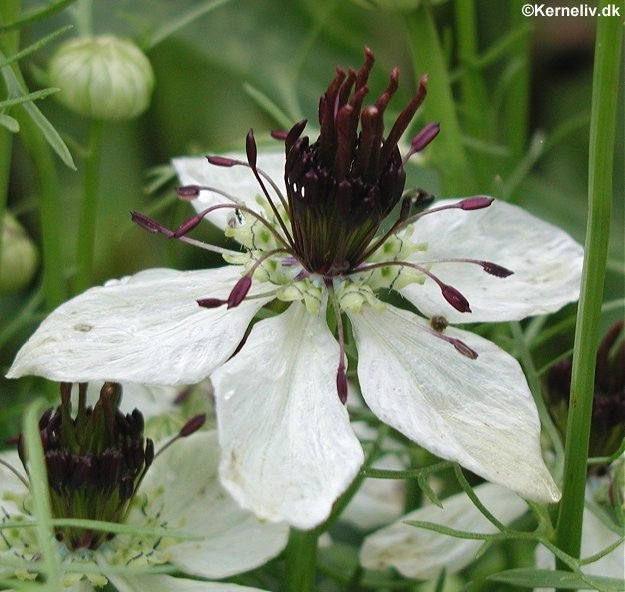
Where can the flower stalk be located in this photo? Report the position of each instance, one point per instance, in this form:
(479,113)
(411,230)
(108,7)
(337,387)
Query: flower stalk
(89,208)
(601,156)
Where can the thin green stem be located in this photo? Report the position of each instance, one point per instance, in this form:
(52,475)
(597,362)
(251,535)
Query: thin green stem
(301,560)
(600,165)
(49,211)
(516,107)
(448,151)
(9,43)
(89,208)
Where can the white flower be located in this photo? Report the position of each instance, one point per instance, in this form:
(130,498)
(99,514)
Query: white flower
(288,450)
(181,492)
(422,554)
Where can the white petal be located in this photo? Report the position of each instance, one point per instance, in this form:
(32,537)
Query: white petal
(546,262)
(422,554)
(288,450)
(479,412)
(237,181)
(184,490)
(147,328)
(165,583)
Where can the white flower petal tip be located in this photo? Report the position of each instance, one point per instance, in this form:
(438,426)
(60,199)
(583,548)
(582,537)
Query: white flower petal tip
(422,554)
(546,263)
(477,412)
(237,181)
(184,485)
(147,328)
(288,450)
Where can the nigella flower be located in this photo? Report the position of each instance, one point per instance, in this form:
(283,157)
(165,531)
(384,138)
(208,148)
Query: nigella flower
(97,463)
(313,239)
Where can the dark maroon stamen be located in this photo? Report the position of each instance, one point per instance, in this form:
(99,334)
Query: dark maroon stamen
(475,203)
(193,425)
(188,192)
(211,302)
(496,270)
(222,161)
(455,298)
(239,292)
(423,138)
(149,224)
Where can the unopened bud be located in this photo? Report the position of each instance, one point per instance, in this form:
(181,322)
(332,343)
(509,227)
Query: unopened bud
(102,77)
(19,256)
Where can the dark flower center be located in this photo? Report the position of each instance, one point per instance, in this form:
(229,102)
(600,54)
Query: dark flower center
(95,461)
(341,188)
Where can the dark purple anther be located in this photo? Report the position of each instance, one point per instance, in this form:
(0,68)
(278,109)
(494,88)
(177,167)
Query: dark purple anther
(475,203)
(222,161)
(250,149)
(455,298)
(193,425)
(149,224)
(496,270)
(187,226)
(464,349)
(149,453)
(210,302)
(279,134)
(341,384)
(239,292)
(188,192)
(424,137)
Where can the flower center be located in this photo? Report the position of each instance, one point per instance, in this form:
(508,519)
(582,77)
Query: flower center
(95,461)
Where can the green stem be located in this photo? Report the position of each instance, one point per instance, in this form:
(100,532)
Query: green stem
(516,107)
(448,151)
(9,43)
(301,560)
(89,209)
(49,211)
(474,97)
(601,155)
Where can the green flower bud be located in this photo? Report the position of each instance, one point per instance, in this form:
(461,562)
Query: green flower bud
(19,256)
(102,77)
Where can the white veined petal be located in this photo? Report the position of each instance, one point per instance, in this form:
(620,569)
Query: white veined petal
(147,328)
(237,181)
(288,450)
(479,413)
(166,583)
(183,487)
(546,262)
(422,554)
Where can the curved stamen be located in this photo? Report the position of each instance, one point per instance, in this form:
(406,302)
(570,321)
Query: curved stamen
(222,161)
(15,472)
(422,139)
(488,266)
(190,192)
(451,294)
(341,376)
(467,204)
(250,149)
(240,290)
(153,226)
(458,344)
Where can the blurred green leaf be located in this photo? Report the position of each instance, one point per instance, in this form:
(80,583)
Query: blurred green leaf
(36,14)
(9,123)
(529,577)
(15,88)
